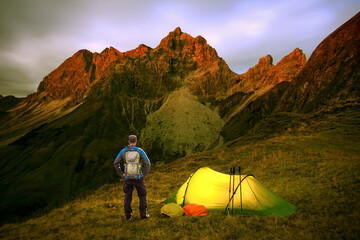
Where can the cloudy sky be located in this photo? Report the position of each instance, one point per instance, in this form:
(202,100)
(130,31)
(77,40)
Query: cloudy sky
(38,35)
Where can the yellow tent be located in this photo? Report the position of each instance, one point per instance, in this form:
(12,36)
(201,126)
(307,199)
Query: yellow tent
(211,189)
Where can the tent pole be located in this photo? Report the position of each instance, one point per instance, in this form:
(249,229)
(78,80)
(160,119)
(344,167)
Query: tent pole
(233,186)
(228,209)
(183,203)
(228,205)
(240,191)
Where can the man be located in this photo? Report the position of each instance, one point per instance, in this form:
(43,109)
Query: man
(133,158)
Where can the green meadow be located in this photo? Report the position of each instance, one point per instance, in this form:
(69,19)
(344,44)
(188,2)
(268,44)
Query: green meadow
(312,161)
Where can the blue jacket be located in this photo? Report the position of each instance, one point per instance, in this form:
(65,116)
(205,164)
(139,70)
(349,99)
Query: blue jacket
(143,158)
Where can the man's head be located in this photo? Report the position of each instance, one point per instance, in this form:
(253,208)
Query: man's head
(132,139)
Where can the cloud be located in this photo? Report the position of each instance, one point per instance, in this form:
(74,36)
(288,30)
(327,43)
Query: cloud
(16,81)
(38,35)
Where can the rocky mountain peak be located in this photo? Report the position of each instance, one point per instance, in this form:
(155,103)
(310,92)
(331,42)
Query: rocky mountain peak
(83,53)
(177,31)
(265,75)
(172,40)
(199,40)
(295,56)
(180,58)
(68,78)
(332,72)
(110,51)
(104,59)
(297,52)
(74,77)
(177,40)
(267,60)
(140,50)
(192,62)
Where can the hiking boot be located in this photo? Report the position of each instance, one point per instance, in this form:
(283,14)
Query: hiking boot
(129,218)
(145,216)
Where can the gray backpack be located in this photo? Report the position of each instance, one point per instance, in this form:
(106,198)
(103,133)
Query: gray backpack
(132,164)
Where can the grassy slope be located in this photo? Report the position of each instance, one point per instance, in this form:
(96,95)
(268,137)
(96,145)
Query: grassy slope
(180,127)
(312,162)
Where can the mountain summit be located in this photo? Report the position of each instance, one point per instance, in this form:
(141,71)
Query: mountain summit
(265,74)
(179,60)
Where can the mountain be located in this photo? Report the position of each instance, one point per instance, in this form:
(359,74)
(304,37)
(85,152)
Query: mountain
(8,102)
(258,92)
(179,98)
(56,140)
(265,74)
(331,73)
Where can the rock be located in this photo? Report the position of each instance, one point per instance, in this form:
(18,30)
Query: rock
(265,61)
(266,75)
(332,72)
(140,50)
(179,60)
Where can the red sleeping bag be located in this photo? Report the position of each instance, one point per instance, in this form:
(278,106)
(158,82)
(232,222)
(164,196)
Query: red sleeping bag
(195,210)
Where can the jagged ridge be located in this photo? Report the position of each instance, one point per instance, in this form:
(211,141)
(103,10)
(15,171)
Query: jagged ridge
(331,74)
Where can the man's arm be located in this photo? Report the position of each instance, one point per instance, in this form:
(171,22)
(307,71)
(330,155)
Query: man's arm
(117,162)
(146,161)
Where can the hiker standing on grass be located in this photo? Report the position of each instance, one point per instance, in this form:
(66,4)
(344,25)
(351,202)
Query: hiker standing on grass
(133,158)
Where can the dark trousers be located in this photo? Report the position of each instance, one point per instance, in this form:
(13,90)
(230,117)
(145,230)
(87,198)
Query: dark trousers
(129,185)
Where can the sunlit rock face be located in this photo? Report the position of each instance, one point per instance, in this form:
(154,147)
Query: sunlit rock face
(178,60)
(74,77)
(265,74)
(332,72)
(192,63)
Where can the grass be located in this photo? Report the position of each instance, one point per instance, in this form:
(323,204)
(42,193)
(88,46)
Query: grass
(314,164)
(37,115)
(180,127)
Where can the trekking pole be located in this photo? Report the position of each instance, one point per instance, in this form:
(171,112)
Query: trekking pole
(228,210)
(240,190)
(232,210)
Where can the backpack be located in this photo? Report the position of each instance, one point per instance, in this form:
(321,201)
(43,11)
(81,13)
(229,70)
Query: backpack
(132,164)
